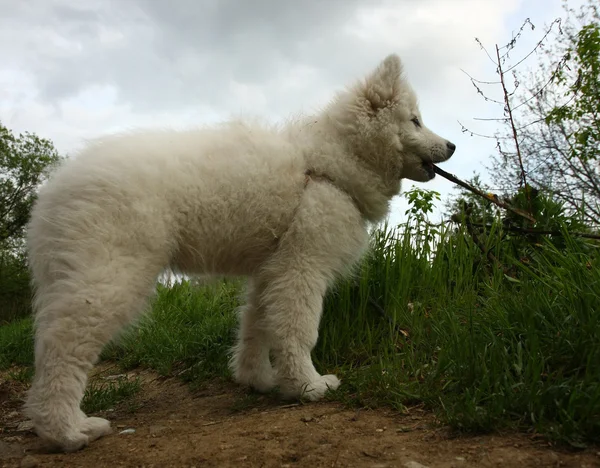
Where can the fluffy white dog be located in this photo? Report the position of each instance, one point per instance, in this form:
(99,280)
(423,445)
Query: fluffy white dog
(287,207)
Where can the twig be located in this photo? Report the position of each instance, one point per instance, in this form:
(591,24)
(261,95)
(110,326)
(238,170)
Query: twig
(213,423)
(336,459)
(513,126)
(293,405)
(490,197)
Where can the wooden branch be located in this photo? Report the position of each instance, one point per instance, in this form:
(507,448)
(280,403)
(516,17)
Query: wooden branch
(490,197)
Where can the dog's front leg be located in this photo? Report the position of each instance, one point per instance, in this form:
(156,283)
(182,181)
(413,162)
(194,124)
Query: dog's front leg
(326,237)
(293,303)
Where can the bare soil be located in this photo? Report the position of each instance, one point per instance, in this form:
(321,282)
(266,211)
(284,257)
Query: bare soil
(220,425)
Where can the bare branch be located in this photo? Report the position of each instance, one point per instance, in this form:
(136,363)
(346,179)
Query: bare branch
(472,133)
(479,81)
(538,45)
(512,121)
(485,50)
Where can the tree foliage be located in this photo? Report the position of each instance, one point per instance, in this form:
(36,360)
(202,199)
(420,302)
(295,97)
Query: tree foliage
(24,162)
(582,110)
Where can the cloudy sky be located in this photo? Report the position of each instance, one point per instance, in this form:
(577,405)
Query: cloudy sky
(73,70)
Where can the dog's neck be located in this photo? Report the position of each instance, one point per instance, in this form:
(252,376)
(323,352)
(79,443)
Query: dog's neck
(327,158)
(363,186)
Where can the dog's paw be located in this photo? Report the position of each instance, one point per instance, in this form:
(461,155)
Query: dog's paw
(74,442)
(260,378)
(75,438)
(316,389)
(95,428)
(68,442)
(312,391)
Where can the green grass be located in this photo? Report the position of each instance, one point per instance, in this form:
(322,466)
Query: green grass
(420,322)
(16,344)
(188,333)
(101,396)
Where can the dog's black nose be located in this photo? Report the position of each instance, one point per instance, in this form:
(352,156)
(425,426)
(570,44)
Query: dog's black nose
(451,147)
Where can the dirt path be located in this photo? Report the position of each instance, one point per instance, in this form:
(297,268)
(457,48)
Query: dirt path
(221,426)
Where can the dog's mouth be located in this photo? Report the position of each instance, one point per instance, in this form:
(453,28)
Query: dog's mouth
(429,169)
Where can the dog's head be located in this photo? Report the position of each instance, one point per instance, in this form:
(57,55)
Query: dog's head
(381,120)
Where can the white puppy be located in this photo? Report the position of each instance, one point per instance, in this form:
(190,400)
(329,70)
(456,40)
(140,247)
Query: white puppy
(286,207)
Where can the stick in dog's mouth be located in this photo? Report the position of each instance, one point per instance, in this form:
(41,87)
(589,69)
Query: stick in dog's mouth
(490,197)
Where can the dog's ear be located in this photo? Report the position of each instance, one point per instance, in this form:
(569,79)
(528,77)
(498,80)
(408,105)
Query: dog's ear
(382,87)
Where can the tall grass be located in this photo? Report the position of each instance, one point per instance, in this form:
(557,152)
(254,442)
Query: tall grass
(486,350)
(425,319)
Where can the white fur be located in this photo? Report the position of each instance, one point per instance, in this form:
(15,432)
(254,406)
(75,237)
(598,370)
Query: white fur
(231,200)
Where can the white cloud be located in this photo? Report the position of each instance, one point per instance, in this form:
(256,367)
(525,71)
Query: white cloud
(75,70)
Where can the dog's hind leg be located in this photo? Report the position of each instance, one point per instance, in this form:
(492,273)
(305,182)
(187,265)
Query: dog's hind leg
(78,311)
(250,361)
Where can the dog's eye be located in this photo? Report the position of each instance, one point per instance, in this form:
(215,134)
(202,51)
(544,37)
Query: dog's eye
(416,121)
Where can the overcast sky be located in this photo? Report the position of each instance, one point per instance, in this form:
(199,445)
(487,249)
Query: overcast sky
(73,69)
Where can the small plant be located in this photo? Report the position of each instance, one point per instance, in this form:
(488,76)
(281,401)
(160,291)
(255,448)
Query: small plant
(21,374)
(421,201)
(421,204)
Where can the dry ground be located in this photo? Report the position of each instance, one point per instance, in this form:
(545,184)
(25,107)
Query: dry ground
(220,425)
